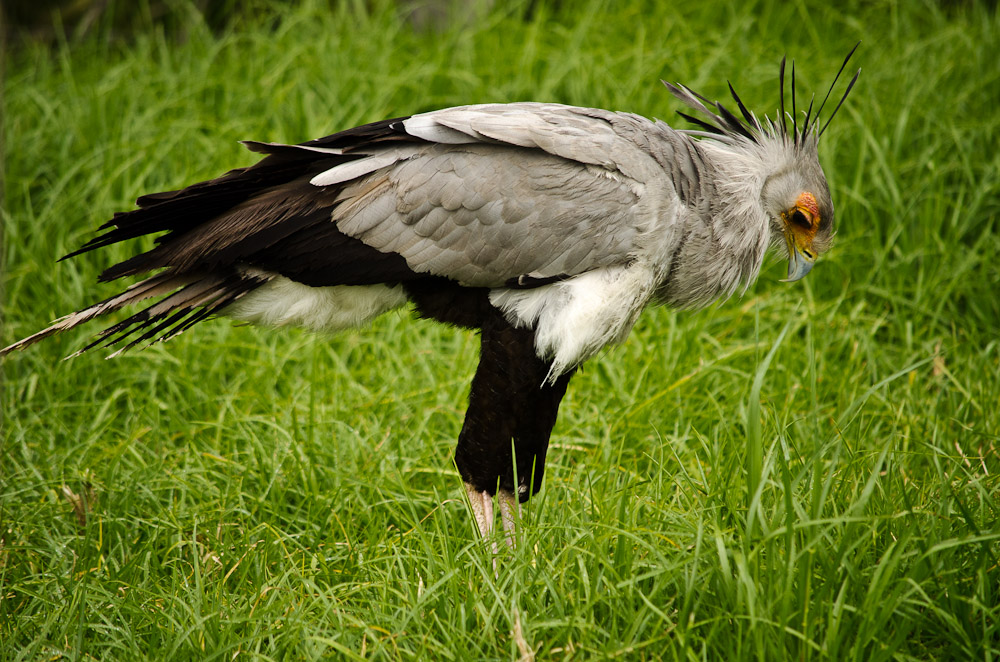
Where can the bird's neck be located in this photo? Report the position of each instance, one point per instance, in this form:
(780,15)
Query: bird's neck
(726,234)
(738,175)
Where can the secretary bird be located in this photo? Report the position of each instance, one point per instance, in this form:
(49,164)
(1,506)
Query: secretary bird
(548,228)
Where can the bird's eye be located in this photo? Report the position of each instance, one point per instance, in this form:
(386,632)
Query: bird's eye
(800,219)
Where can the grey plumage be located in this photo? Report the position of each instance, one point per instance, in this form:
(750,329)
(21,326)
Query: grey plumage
(546,226)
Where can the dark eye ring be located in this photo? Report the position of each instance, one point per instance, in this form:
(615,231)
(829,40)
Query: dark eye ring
(800,219)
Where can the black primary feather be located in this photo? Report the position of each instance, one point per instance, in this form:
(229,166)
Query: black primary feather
(177,212)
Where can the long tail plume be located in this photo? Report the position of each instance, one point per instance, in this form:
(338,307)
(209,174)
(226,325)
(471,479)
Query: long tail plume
(188,299)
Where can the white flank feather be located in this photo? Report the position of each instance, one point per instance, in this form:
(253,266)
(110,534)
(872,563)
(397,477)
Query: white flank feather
(283,302)
(575,318)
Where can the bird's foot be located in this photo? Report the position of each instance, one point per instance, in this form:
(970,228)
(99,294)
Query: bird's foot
(482,510)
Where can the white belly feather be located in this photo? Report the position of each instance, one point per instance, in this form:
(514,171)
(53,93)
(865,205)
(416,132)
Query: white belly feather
(573,319)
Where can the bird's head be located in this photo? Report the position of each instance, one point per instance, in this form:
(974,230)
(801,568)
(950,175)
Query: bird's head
(795,195)
(797,201)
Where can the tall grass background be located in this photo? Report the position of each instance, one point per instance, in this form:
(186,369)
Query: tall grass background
(805,472)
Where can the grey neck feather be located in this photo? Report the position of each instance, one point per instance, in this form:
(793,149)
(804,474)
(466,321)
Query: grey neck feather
(723,218)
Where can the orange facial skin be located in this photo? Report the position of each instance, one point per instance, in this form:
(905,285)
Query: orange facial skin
(807,202)
(802,222)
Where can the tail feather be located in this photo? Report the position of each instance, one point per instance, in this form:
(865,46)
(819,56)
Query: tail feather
(173,315)
(189,298)
(208,232)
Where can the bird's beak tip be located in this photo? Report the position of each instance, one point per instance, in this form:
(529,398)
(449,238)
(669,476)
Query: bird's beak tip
(798,266)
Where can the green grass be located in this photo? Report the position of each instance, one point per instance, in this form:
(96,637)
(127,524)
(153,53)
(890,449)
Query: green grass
(259,494)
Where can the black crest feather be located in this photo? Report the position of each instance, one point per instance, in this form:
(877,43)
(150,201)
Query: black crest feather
(724,124)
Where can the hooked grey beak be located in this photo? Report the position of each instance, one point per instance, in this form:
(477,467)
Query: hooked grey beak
(799,262)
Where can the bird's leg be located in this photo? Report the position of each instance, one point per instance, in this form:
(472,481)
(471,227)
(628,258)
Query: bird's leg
(481,503)
(483,455)
(538,413)
(512,409)
(508,516)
